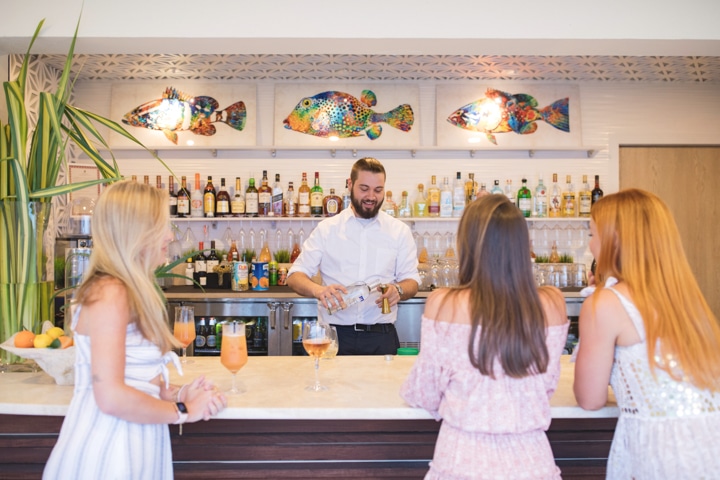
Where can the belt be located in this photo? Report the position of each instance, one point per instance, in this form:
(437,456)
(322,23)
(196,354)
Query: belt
(376,328)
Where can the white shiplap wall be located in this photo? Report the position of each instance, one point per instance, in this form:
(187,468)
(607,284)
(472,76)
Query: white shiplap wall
(612,114)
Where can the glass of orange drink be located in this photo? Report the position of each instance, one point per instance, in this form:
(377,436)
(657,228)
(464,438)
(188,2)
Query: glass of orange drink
(233,350)
(316,339)
(184,328)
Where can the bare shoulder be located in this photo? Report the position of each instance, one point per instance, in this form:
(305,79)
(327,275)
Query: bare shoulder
(434,302)
(448,305)
(554,305)
(108,289)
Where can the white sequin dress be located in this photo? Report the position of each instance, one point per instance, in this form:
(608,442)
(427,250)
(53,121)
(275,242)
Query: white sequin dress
(492,429)
(666,429)
(93,445)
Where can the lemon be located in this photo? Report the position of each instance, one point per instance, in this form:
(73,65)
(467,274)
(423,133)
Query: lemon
(42,340)
(56,332)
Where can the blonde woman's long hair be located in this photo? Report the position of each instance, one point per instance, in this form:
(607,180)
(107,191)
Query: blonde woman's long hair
(130,222)
(505,306)
(641,246)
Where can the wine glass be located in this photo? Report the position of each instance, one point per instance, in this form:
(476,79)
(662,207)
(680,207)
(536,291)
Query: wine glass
(184,328)
(332,350)
(233,350)
(316,340)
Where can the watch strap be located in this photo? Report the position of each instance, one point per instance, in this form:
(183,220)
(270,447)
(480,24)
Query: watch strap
(182,413)
(399,289)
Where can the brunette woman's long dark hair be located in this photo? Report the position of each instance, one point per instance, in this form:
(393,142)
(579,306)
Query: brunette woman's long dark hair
(507,317)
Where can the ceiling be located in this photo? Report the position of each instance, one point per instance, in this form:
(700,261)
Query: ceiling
(353,67)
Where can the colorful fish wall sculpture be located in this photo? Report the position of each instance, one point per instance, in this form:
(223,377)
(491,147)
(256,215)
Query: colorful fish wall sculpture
(501,112)
(176,112)
(338,114)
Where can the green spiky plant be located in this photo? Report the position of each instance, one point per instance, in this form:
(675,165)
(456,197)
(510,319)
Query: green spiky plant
(31,158)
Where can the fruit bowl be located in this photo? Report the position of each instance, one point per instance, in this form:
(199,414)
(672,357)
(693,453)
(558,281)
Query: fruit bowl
(56,362)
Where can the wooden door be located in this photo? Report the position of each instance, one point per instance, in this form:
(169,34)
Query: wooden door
(687,179)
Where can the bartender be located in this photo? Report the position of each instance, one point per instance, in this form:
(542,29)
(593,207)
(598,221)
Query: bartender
(360,244)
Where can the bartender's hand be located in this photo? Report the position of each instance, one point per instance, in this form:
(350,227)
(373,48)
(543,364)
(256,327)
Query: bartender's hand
(331,295)
(391,293)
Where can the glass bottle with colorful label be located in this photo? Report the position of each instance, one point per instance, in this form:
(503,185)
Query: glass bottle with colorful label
(569,202)
(555,201)
(332,204)
(540,199)
(524,199)
(433,198)
(264,196)
(238,202)
(316,198)
(209,197)
(584,199)
(303,208)
(251,199)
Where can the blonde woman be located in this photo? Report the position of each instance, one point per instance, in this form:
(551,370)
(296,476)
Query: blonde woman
(116,425)
(648,331)
(490,356)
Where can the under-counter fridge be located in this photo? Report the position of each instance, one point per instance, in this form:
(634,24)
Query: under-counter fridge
(273,326)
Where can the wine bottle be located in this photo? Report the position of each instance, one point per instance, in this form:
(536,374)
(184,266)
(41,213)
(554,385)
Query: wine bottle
(303,208)
(172,197)
(316,198)
(356,293)
(237,205)
(251,199)
(264,196)
(209,197)
(597,192)
(222,203)
(183,199)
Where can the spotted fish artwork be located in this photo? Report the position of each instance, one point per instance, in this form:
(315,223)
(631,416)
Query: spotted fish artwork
(176,112)
(340,115)
(501,112)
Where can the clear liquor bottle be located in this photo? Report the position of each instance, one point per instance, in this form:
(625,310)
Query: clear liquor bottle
(524,199)
(196,199)
(238,202)
(470,189)
(433,198)
(389,206)
(458,196)
(555,202)
(446,199)
(264,196)
(303,208)
(404,210)
(209,197)
(510,191)
(483,191)
(222,208)
(569,204)
(346,198)
(356,293)
(540,199)
(252,203)
(290,202)
(316,198)
(496,190)
(420,202)
(584,199)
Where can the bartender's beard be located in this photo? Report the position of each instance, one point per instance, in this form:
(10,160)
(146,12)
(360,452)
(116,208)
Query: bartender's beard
(364,211)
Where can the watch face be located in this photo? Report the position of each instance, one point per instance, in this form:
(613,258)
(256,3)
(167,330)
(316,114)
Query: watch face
(181,407)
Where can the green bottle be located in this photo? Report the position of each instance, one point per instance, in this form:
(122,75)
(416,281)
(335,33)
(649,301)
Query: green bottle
(524,199)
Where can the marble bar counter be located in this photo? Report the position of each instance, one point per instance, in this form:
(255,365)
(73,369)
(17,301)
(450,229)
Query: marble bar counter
(358,428)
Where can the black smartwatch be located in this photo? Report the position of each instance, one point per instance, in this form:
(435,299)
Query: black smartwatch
(182,413)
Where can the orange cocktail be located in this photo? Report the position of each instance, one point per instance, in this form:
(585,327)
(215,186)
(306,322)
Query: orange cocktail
(233,350)
(184,332)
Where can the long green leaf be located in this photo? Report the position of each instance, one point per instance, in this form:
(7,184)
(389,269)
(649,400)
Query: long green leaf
(72,187)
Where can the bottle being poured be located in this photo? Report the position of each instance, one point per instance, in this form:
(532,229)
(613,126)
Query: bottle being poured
(356,293)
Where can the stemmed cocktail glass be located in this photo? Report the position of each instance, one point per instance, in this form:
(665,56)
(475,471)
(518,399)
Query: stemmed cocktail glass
(316,340)
(233,350)
(184,328)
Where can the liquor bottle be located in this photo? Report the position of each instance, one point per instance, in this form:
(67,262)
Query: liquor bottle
(201,265)
(389,206)
(264,196)
(470,189)
(433,198)
(295,250)
(540,199)
(458,196)
(555,203)
(420,202)
(356,293)
(196,199)
(346,199)
(446,199)
(237,205)
(496,190)
(509,191)
(303,208)
(251,199)
(233,253)
(404,210)
(569,206)
(173,199)
(584,199)
(524,199)
(212,260)
(483,191)
(222,207)
(597,192)
(134,178)
(189,271)
(554,256)
(332,204)
(277,197)
(209,198)
(265,255)
(316,198)
(146,179)
(290,202)
(183,199)
(210,338)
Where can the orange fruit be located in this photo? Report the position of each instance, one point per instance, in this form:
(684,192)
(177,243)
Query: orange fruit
(65,341)
(24,339)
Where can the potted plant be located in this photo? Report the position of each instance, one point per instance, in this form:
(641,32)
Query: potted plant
(31,158)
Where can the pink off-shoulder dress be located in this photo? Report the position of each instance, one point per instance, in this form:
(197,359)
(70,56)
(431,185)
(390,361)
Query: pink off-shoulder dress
(492,428)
